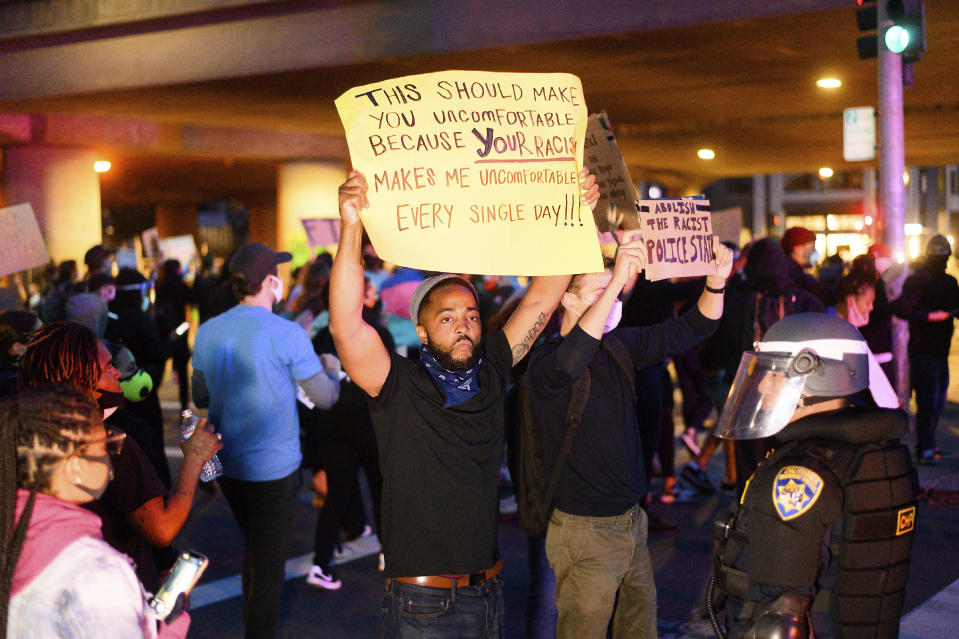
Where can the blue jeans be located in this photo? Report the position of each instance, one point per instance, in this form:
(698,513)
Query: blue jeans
(540,606)
(418,612)
(930,379)
(602,563)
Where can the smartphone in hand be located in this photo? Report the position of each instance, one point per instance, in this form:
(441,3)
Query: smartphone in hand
(186,572)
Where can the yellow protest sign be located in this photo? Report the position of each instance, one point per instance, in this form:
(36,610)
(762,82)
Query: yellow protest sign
(678,236)
(474,172)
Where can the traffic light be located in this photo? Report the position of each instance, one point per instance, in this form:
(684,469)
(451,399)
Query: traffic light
(867,19)
(903,31)
(907,35)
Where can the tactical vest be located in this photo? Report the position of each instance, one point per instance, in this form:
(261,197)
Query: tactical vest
(861,583)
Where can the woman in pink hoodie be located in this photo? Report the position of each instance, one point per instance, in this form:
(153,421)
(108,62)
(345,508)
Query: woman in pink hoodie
(58,578)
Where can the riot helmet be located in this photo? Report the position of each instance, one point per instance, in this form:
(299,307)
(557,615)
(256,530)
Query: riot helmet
(801,358)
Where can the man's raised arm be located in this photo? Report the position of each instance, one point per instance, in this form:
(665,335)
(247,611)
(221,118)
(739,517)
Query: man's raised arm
(359,347)
(530,317)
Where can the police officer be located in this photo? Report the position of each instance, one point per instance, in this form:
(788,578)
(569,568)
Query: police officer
(819,542)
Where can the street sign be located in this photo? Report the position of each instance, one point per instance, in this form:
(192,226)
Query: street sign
(859,134)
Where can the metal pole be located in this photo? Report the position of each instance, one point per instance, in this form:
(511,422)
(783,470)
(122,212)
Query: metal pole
(892,191)
(892,160)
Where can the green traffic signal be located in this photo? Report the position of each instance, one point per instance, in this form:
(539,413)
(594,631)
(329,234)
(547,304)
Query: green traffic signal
(897,38)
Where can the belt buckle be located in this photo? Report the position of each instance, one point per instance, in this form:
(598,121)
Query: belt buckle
(477,578)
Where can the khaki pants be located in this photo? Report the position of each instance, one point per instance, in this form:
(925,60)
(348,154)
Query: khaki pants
(595,558)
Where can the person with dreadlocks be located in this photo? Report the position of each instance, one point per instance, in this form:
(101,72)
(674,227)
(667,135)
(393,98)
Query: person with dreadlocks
(56,572)
(137,512)
(15,329)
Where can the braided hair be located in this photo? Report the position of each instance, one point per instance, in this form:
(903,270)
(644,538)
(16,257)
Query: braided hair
(61,353)
(39,428)
(15,326)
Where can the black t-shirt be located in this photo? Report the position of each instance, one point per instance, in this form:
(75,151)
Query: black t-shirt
(604,474)
(135,482)
(440,467)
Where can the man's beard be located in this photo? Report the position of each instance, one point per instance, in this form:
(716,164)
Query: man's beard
(445,356)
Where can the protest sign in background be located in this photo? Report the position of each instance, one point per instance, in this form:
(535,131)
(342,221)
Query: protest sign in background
(617,193)
(728,224)
(321,231)
(474,172)
(178,247)
(678,238)
(21,244)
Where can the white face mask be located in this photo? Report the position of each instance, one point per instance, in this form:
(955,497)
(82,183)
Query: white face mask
(883,263)
(278,290)
(615,314)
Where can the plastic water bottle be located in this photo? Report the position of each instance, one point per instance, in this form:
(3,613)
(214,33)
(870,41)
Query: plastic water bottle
(212,468)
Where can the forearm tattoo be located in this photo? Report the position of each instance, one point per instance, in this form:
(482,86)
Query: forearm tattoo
(520,350)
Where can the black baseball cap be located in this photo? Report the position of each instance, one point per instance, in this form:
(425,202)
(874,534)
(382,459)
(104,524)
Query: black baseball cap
(96,255)
(255,261)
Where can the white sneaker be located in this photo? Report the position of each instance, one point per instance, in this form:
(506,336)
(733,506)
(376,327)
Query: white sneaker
(320,579)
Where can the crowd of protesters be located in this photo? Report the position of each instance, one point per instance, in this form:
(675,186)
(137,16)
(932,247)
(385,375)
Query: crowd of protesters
(82,362)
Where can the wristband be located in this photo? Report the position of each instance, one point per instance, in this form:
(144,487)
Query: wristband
(717,291)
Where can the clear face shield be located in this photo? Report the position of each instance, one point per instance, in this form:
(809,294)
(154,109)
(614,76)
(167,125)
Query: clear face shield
(765,394)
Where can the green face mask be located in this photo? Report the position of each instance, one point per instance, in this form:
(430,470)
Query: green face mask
(137,387)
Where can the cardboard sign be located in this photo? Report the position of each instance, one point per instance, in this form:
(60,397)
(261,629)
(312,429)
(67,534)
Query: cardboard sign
(727,224)
(617,193)
(678,235)
(179,247)
(320,231)
(150,239)
(474,172)
(21,244)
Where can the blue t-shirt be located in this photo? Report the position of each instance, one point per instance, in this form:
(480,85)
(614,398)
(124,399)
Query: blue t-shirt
(250,360)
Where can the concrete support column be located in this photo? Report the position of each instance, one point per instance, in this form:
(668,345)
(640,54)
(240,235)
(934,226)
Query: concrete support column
(870,201)
(305,189)
(777,211)
(760,215)
(64,191)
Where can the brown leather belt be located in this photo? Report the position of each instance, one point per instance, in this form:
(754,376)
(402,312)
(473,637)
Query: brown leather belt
(461,581)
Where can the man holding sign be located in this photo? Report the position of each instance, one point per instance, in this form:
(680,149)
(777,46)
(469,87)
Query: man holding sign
(596,540)
(439,426)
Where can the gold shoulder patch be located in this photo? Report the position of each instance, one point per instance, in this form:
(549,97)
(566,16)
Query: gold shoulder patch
(905,520)
(795,491)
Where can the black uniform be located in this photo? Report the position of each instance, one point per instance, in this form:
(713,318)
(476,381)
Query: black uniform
(825,526)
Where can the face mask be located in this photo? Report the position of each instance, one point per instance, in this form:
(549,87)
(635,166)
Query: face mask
(883,264)
(615,314)
(814,258)
(97,492)
(278,290)
(853,315)
(109,399)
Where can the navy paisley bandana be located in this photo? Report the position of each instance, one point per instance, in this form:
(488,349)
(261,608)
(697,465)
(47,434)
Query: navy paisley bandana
(457,386)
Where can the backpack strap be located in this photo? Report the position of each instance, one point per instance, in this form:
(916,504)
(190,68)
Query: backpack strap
(617,350)
(574,415)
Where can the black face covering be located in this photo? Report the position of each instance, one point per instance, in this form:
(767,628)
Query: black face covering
(109,399)
(937,263)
